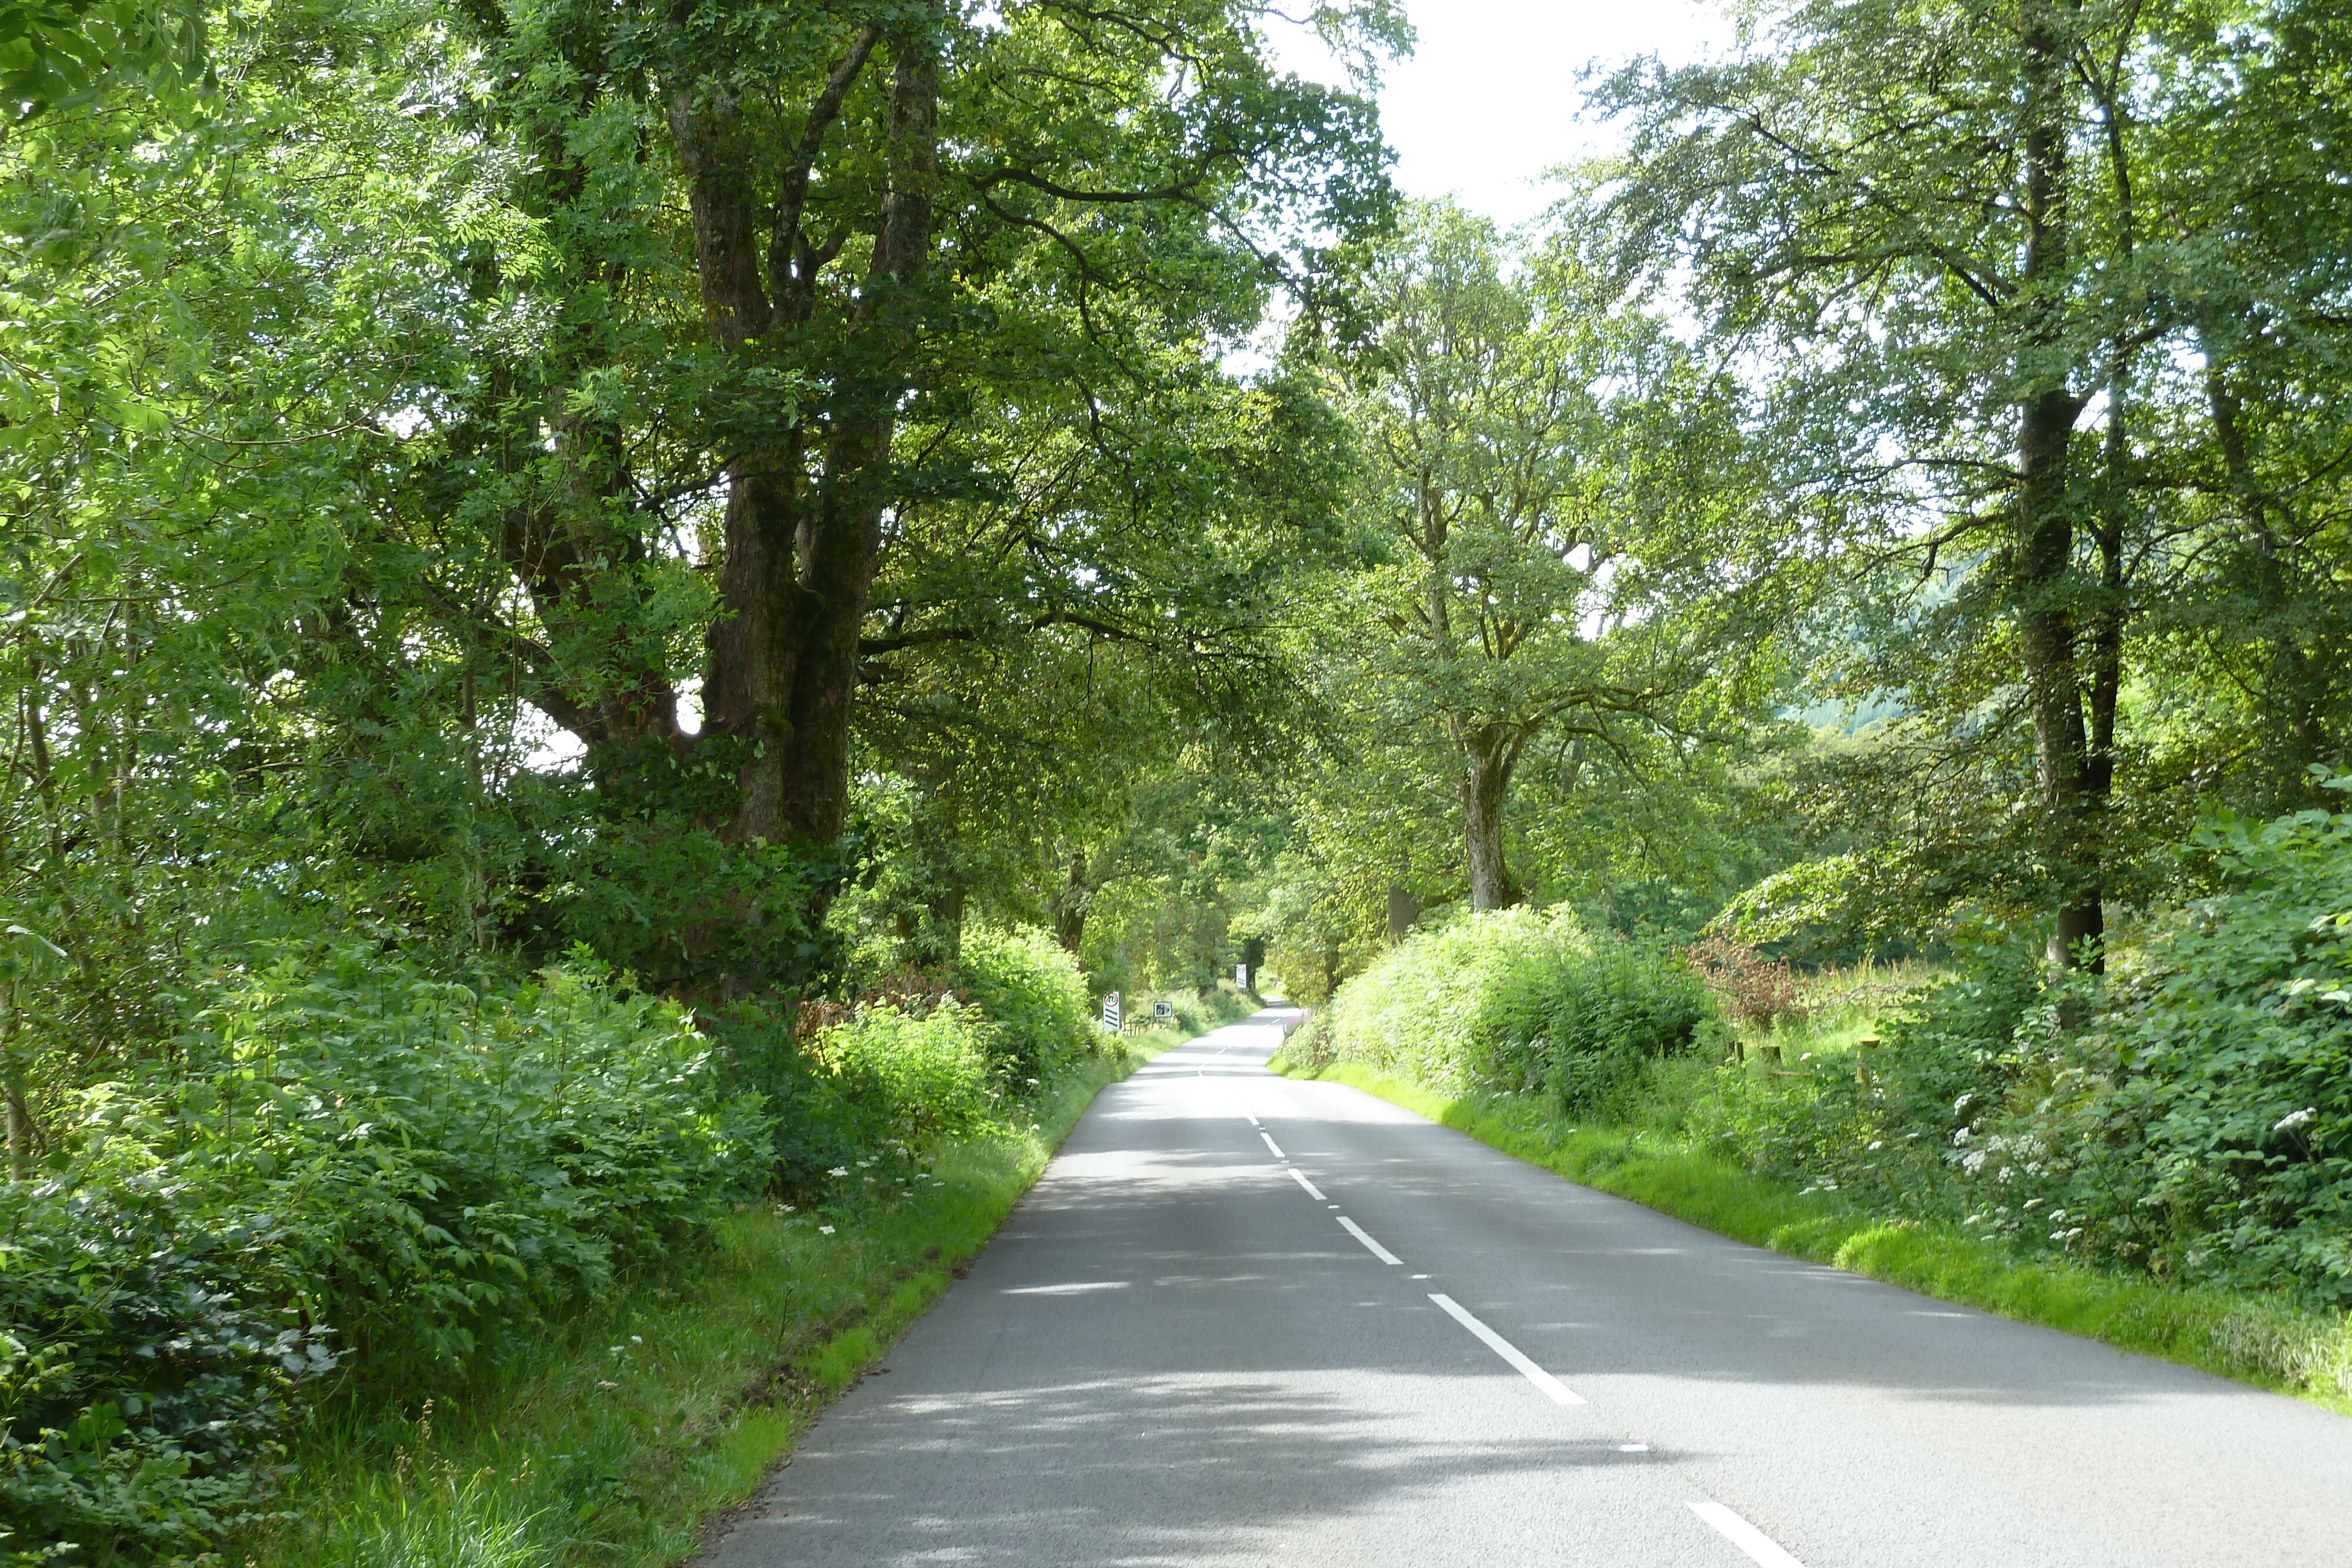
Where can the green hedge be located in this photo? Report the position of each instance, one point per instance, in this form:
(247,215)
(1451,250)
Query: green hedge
(1520,1002)
(355,1176)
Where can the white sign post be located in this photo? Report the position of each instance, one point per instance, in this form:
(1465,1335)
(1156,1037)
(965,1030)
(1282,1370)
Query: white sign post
(1241,975)
(1111,1012)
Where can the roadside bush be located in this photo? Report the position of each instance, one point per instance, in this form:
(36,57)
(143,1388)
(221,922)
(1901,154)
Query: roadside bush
(2196,1119)
(144,1388)
(444,1164)
(1196,1012)
(1520,1002)
(921,1074)
(1893,1136)
(2192,1116)
(350,1162)
(1038,1012)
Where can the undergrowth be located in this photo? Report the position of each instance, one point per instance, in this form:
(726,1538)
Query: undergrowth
(639,1419)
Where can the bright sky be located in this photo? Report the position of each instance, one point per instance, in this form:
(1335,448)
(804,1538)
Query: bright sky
(1490,97)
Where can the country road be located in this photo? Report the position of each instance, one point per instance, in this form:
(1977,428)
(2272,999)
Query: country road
(1243,1320)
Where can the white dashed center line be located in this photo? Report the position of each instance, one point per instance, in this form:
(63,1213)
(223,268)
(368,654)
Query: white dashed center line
(1553,1388)
(1759,1547)
(1274,1147)
(1378,1251)
(1311,1190)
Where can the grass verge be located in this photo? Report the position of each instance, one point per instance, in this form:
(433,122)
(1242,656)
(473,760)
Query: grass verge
(647,1416)
(2268,1342)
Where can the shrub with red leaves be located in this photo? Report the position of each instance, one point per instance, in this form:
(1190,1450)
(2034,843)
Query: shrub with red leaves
(1755,990)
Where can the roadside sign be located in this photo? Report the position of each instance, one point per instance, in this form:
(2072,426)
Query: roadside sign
(1163,1010)
(1241,975)
(1111,1012)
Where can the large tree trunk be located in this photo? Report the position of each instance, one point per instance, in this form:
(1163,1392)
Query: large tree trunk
(1402,911)
(2045,545)
(1491,754)
(1070,908)
(2104,650)
(801,553)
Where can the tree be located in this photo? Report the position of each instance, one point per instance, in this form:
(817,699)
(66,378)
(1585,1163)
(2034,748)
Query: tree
(1536,515)
(1976,249)
(925,251)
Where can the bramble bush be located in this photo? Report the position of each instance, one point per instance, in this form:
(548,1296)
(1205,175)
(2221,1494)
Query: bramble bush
(145,1383)
(1521,1002)
(2195,1118)
(348,1164)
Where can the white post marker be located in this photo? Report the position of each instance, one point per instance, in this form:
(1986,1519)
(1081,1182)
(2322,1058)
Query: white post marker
(1759,1547)
(1378,1251)
(1553,1388)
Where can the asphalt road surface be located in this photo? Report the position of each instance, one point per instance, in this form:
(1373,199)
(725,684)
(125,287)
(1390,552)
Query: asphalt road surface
(1243,1320)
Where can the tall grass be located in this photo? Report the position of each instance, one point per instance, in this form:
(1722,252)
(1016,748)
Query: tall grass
(1837,1009)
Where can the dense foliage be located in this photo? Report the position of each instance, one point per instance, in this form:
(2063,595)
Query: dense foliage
(2187,1115)
(607,612)
(1519,1002)
(353,1169)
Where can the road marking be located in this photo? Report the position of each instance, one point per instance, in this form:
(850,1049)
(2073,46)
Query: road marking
(1078,1288)
(1274,1147)
(1632,1447)
(1554,1389)
(1311,1189)
(1255,1123)
(1759,1547)
(1378,1251)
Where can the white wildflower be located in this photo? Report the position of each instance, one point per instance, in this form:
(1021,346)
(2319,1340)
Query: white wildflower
(825,1230)
(838,1170)
(2290,1122)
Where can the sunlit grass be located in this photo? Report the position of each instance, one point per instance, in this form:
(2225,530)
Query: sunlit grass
(617,1437)
(1844,1006)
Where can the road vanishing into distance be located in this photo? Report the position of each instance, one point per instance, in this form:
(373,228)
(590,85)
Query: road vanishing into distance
(1243,1320)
